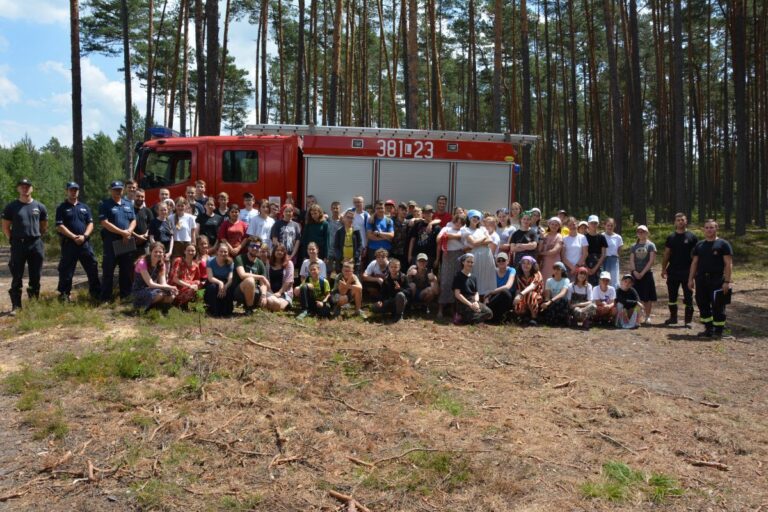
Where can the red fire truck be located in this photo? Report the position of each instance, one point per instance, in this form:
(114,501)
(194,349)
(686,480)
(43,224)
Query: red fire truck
(475,170)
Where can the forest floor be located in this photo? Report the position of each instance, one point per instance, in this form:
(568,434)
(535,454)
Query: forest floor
(103,410)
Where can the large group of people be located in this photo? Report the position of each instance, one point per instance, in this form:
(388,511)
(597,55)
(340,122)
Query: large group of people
(465,265)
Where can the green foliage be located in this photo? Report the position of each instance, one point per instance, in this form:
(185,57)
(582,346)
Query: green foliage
(47,422)
(46,313)
(620,483)
(233,504)
(449,404)
(154,494)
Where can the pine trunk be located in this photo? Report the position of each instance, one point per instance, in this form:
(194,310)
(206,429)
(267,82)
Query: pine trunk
(77,95)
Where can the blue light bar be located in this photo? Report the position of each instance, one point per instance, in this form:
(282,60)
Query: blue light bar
(162,132)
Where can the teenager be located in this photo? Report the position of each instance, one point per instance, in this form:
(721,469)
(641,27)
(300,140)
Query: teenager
(375,272)
(233,231)
(597,247)
(348,289)
(525,240)
(641,259)
(222,204)
(629,309)
(400,240)
(335,224)
(218,289)
(261,224)
(604,297)
(451,247)
(313,256)
(185,276)
(423,237)
(161,230)
(582,308)
(249,281)
(394,293)
(209,222)
(500,298)
(184,227)
(491,223)
(315,295)
(248,211)
(514,215)
(286,231)
(477,240)
(554,309)
(613,251)
(550,247)
(316,230)
(280,274)
(574,248)
(348,241)
(529,283)
(379,230)
(150,288)
(442,213)
(422,282)
(469,308)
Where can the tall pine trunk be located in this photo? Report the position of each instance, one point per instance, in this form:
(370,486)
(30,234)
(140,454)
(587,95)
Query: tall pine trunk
(150,69)
(127,84)
(333,101)
(77,94)
(298,101)
(636,110)
(678,141)
(616,109)
(412,110)
(738,14)
(213,126)
(200,108)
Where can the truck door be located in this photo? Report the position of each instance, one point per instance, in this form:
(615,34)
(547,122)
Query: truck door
(338,179)
(239,169)
(483,186)
(169,168)
(418,180)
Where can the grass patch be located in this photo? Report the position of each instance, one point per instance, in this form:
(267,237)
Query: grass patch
(24,380)
(46,423)
(437,469)
(233,504)
(620,483)
(38,315)
(449,404)
(155,494)
(350,369)
(135,358)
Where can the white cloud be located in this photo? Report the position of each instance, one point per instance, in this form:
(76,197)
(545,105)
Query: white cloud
(11,132)
(36,11)
(9,93)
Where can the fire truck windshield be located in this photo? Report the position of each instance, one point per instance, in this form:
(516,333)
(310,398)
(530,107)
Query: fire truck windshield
(163,169)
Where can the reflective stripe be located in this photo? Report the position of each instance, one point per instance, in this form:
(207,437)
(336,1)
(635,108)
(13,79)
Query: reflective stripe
(718,324)
(673,303)
(706,320)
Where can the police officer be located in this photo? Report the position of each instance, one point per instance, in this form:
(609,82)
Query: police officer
(118,221)
(675,267)
(74,223)
(25,220)
(710,275)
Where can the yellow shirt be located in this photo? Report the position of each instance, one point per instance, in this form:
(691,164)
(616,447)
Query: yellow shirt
(349,248)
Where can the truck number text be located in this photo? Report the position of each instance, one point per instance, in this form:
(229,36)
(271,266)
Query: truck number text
(393,148)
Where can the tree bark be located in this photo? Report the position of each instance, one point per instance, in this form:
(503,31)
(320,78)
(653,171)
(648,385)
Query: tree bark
(201,107)
(616,108)
(738,14)
(412,111)
(77,93)
(335,65)
(636,110)
(498,20)
(298,101)
(150,69)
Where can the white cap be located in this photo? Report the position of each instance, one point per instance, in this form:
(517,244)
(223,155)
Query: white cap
(593,218)
(642,227)
(605,275)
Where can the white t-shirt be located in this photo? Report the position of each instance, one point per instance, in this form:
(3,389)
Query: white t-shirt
(304,272)
(359,224)
(373,270)
(261,227)
(614,242)
(475,234)
(581,290)
(555,286)
(573,245)
(247,215)
(186,227)
(608,295)
(454,244)
(506,234)
(496,241)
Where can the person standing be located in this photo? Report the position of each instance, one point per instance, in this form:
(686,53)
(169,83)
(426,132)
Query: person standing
(597,248)
(642,256)
(144,217)
(118,221)
(675,267)
(25,220)
(710,278)
(74,222)
(380,229)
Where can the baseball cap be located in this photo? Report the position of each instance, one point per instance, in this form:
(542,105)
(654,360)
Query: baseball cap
(642,227)
(116,185)
(390,202)
(428,208)
(24,181)
(560,265)
(421,256)
(605,275)
(72,184)
(502,256)
(593,218)
(580,270)
(628,276)
(583,223)
(535,210)
(412,203)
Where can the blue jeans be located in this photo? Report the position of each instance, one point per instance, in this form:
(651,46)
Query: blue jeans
(611,264)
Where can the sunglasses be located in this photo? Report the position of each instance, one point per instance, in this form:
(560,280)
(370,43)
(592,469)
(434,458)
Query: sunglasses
(254,246)
(499,260)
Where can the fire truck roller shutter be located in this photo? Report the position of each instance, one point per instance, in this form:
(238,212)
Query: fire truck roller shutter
(417,180)
(483,186)
(338,179)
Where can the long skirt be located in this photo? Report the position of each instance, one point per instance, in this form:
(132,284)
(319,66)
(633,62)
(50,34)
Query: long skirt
(484,269)
(449,265)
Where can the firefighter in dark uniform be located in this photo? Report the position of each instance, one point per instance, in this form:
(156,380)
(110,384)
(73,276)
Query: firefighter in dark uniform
(25,220)
(74,222)
(710,275)
(675,267)
(118,221)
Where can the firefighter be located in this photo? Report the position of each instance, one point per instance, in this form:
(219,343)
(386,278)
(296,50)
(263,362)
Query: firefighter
(118,220)
(675,266)
(710,276)
(74,222)
(25,220)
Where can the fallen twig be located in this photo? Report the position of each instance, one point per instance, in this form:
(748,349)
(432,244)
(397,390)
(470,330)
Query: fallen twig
(13,494)
(351,502)
(262,345)
(91,476)
(226,423)
(709,404)
(50,467)
(359,461)
(565,384)
(616,442)
(501,363)
(406,452)
(709,464)
(158,429)
(351,407)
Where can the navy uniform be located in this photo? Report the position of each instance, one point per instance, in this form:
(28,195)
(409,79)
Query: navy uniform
(74,222)
(25,220)
(679,255)
(711,271)
(116,215)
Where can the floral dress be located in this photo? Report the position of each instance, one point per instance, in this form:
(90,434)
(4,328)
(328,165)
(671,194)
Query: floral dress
(187,273)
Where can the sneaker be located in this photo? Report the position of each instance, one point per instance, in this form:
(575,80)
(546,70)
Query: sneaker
(647,321)
(63,297)
(361,314)
(13,311)
(671,321)
(706,333)
(585,325)
(302,315)
(532,322)
(248,310)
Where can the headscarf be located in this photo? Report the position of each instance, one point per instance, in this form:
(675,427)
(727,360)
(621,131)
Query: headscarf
(474,213)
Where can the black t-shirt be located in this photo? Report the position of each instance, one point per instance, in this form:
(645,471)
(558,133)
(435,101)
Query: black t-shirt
(525,237)
(161,231)
(209,226)
(275,278)
(393,285)
(25,218)
(399,241)
(710,255)
(628,299)
(680,247)
(595,244)
(467,285)
(144,216)
(74,217)
(424,239)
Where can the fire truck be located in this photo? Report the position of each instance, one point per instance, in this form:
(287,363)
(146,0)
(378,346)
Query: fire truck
(474,170)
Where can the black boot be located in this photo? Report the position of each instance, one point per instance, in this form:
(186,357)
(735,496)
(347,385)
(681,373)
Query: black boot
(688,316)
(672,320)
(33,294)
(708,330)
(718,331)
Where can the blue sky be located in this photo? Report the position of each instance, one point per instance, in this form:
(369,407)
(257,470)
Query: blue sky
(35,90)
